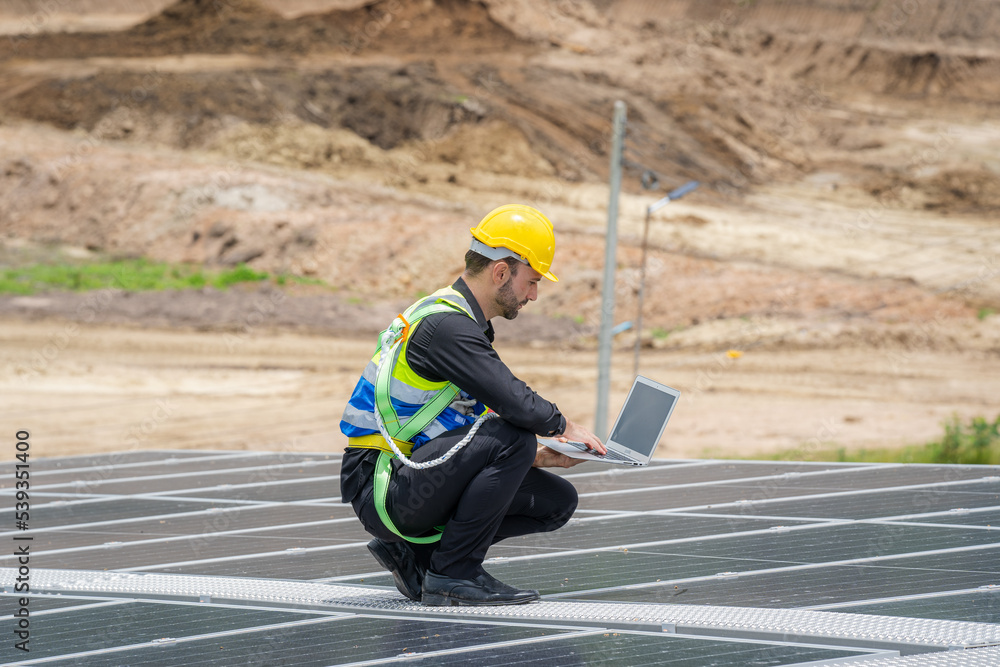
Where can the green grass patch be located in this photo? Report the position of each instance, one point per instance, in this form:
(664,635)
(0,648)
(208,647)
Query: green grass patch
(976,441)
(984,313)
(128,274)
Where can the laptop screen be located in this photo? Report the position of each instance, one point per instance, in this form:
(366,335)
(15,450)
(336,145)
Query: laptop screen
(641,421)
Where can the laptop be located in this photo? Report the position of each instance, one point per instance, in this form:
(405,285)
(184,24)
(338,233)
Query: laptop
(636,431)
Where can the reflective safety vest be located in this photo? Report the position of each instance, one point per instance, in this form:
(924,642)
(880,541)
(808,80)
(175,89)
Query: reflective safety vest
(414,409)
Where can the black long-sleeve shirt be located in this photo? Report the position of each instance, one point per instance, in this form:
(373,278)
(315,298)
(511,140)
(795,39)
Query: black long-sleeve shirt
(453,347)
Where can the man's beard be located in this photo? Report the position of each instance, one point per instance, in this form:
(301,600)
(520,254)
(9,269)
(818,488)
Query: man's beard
(507,301)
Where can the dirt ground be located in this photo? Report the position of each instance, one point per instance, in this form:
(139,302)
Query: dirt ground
(844,238)
(98,388)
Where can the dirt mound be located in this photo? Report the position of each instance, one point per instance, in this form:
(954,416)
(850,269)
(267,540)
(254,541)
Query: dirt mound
(384,105)
(964,190)
(721,102)
(576,24)
(965,22)
(202,15)
(437,26)
(491,146)
(928,22)
(188,26)
(531,120)
(244,26)
(192,26)
(915,73)
(298,145)
(715,100)
(937,49)
(488,147)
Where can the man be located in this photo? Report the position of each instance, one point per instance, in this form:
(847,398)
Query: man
(433,526)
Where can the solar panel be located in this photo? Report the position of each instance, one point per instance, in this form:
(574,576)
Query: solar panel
(975,605)
(204,558)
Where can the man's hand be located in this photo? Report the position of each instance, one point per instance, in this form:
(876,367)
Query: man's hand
(550,458)
(578,433)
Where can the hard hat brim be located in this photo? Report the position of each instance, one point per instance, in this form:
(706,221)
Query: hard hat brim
(498,253)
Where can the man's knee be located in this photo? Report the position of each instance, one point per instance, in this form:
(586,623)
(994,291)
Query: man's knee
(566,504)
(555,500)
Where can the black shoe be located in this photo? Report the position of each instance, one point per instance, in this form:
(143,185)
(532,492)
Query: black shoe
(497,586)
(442,591)
(399,559)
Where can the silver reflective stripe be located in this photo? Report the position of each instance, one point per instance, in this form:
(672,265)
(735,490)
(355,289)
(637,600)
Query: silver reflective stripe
(486,251)
(458,301)
(455,299)
(433,430)
(398,389)
(359,418)
(371,370)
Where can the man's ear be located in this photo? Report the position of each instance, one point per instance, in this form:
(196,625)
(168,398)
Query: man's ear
(500,272)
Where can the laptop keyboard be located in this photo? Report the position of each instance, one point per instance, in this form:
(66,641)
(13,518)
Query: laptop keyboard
(612,455)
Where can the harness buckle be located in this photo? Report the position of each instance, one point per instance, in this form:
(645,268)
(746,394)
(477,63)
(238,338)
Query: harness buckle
(401,335)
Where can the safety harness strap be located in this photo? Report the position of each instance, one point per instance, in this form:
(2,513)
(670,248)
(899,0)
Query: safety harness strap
(430,410)
(417,422)
(376,441)
(383,471)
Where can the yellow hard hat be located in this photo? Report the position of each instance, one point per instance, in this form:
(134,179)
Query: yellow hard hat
(517,231)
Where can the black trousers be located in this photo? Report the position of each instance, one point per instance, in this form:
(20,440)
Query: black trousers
(485,493)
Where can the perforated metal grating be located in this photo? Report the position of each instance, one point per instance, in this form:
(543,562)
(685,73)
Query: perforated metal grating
(227,557)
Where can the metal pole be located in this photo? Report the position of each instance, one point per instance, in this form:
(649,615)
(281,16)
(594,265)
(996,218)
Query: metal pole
(642,291)
(608,288)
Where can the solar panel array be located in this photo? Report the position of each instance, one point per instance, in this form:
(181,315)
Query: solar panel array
(225,558)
